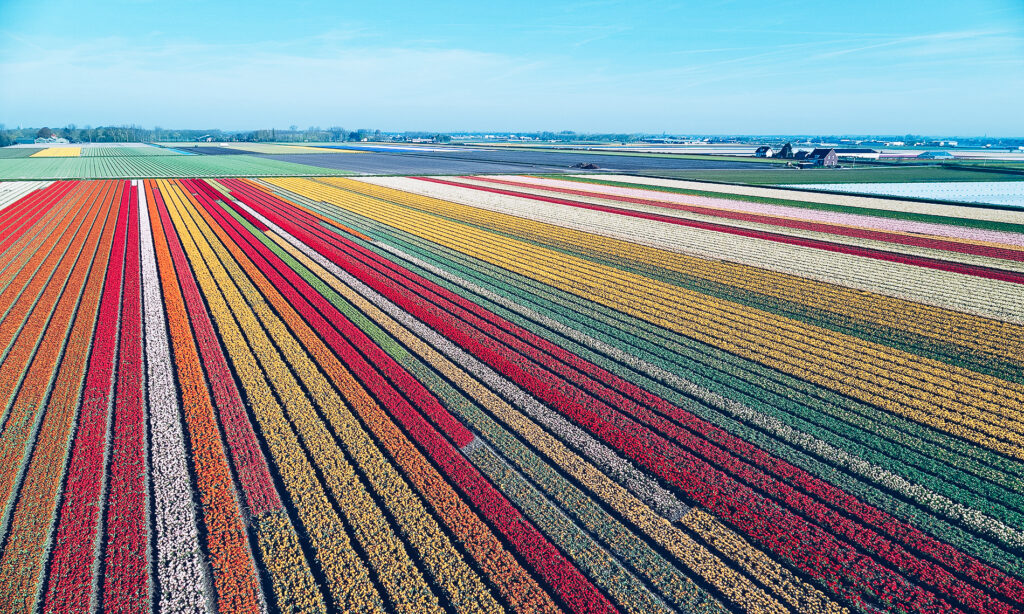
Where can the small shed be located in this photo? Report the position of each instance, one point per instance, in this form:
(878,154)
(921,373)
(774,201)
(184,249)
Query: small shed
(764,151)
(823,157)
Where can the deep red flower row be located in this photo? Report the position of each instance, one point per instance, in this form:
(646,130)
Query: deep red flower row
(587,401)
(388,381)
(835,229)
(867,252)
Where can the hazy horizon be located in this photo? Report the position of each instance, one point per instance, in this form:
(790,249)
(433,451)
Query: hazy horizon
(935,68)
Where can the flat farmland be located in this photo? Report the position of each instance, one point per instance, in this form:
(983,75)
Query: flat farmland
(171,165)
(456,159)
(486,393)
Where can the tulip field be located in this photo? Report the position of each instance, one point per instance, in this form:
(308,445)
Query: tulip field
(518,393)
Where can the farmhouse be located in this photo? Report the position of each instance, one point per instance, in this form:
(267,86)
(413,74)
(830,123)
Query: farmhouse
(823,157)
(764,151)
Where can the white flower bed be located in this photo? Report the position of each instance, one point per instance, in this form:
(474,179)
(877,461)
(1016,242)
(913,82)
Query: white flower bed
(987,192)
(807,195)
(179,565)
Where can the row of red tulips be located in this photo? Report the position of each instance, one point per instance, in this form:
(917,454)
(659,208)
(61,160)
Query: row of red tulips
(357,352)
(639,443)
(126,568)
(71,570)
(835,229)
(920,261)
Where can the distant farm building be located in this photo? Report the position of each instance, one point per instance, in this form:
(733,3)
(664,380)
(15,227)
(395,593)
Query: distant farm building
(801,155)
(858,152)
(786,151)
(764,151)
(936,155)
(206,138)
(51,140)
(823,157)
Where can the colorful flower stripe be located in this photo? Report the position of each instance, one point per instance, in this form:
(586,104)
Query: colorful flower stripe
(439,324)
(72,571)
(22,361)
(953,533)
(679,268)
(711,206)
(824,230)
(442,561)
(610,220)
(294,587)
(931,263)
(881,476)
(621,583)
(990,422)
(635,331)
(23,215)
(947,290)
(957,215)
(45,270)
(402,582)
(181,575)
(670,340)
(27,246)
(126,564)
(350,582)
(637,482)
(679,544)
(35,511)
(504,394)
(607,529)
(234,575)
(575,590)
(1003,533)
(954,511)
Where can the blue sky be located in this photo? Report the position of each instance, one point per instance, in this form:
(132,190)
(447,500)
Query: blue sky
(892,67)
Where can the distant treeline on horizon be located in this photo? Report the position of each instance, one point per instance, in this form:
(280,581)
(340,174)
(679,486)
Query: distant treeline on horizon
(135,134)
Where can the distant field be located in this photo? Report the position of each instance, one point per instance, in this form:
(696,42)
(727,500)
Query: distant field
(119,152)
(649,154)
(135,166)
(866,174)
(989,192)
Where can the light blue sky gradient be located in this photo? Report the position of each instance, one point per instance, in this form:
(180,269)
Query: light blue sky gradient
(891,67)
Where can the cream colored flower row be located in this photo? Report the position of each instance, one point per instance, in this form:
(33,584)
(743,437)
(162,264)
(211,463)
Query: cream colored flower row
(976,213)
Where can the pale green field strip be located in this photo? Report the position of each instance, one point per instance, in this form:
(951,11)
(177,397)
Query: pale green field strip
(170,166)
